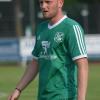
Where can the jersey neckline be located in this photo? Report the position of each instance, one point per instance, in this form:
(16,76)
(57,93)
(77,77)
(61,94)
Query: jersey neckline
(57,23)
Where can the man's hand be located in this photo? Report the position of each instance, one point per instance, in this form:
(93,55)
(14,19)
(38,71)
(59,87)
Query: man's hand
(15,95)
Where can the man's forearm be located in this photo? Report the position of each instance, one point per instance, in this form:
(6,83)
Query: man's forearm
(29,75)
(82,78)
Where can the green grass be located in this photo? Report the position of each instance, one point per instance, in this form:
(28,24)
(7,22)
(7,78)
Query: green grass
(9,76)
(93,92)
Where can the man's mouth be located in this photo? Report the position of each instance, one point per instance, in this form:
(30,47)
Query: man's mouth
(45,11)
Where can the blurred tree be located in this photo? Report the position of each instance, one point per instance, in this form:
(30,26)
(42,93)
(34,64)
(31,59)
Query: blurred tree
(26,14)
(7,19)
(90,1)
(18,18)
(94,15)
(27,8)
(70,2)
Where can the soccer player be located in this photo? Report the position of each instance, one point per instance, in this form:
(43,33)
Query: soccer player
(59,56)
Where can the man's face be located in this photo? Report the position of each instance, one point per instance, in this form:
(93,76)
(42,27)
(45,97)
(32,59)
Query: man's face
(49,8)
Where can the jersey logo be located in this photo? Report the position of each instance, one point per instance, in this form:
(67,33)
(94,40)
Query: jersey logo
(45,51)
(59,36)
(45,46)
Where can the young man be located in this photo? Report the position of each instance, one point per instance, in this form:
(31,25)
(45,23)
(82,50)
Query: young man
(59,56)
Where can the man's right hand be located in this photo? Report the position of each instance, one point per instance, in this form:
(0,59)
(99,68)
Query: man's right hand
(15,95)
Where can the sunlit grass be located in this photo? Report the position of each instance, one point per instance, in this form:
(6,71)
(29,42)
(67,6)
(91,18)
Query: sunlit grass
(9,76)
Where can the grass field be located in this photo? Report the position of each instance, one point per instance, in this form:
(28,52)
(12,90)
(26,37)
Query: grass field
(9,76)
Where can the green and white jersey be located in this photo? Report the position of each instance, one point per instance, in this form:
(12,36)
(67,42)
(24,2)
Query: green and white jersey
(56,48)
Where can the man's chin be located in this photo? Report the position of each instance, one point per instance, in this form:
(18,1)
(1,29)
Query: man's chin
(46,17)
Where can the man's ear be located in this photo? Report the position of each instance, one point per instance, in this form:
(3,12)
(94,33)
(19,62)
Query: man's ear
(61,2)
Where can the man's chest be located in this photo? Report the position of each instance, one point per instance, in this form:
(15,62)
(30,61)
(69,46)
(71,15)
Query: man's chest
(50,39)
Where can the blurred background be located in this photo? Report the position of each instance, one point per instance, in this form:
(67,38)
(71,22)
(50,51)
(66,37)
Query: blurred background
(18,20)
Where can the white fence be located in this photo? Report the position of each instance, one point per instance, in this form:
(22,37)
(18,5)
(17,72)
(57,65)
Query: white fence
(20,49)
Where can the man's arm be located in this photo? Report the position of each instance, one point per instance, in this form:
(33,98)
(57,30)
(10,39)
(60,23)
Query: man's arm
(82,77)
(29,75)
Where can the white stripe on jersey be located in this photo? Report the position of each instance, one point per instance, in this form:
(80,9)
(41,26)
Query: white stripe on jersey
(80,56)
(79,39)
(83,43)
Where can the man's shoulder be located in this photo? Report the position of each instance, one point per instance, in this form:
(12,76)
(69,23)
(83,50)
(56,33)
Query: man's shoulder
(70,22)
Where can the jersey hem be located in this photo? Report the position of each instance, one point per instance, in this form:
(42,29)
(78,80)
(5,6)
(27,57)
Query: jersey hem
(34,57)
(78,57)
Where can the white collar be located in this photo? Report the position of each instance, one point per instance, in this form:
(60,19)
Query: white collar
(57,23)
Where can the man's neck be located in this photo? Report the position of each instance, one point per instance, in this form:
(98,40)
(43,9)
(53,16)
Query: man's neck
(56,18)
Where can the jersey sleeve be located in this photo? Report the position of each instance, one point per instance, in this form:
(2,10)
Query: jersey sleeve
(34,52)
(76,42)
(35,49)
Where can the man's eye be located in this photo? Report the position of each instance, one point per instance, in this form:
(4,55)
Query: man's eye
(41,2)
(48,2)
